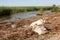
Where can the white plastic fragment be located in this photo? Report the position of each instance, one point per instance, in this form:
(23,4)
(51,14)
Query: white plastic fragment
(40,30)
(38,22)
(38,26)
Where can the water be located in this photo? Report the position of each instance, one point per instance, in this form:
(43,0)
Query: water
(18,15)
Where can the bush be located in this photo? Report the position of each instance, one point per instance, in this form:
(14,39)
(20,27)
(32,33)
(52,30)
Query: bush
(54,8)
(5,12)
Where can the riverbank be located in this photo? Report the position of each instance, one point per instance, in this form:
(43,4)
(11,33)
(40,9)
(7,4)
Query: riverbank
(22,33)
(6,10)
(12,10)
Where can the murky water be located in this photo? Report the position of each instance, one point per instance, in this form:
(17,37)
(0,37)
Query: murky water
(18,15)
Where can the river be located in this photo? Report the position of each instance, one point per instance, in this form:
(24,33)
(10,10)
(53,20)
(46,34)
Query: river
(15,16)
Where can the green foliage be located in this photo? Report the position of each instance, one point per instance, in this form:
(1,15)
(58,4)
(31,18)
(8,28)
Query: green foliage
(5,12)
(41,10)
(8,10)
(27,9)
(54,8)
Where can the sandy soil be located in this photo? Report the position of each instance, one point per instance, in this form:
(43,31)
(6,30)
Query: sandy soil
(21,33)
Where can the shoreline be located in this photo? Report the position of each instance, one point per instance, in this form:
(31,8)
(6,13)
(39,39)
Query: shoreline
(52,24)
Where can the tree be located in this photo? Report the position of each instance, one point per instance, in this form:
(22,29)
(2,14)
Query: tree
(54,8)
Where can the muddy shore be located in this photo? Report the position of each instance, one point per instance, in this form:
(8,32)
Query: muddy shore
(22,33)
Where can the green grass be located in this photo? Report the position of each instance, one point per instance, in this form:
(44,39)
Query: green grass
(20,9)
(17,9)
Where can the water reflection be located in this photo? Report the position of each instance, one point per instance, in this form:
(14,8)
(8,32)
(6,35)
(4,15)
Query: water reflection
(2,18)
(18,15)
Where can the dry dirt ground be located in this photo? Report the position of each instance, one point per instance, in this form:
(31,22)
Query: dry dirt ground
(21,33)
